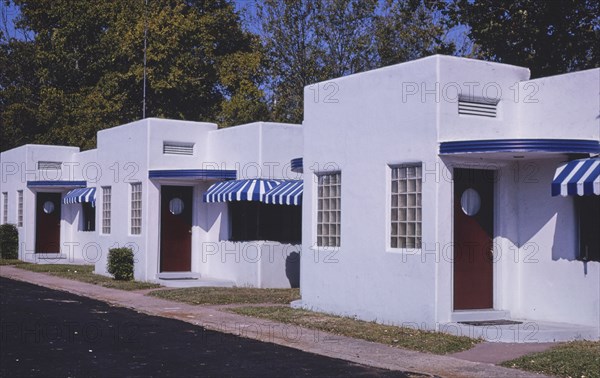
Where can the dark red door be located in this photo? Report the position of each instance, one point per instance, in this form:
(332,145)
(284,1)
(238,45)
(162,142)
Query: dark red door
(176,229)
(473,233)
(47,223)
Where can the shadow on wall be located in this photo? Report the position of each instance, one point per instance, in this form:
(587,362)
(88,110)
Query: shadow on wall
(292,269)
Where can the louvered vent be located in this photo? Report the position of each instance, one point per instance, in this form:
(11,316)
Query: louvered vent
(176,148)
(477,107)
(49,165)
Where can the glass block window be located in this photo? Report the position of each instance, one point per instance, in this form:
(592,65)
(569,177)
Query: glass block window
(106,210)
(4,207)
(406,207)
(136,208)
(328,209)
(19,208)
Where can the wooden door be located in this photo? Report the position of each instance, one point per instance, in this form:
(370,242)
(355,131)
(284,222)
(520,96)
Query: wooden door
(47,223)
(473,235)
(176,229)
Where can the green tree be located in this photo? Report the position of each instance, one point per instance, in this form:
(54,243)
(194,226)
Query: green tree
(86,60)
(549,37)
(294,54)
(412,29)
(345,30)
(19,94)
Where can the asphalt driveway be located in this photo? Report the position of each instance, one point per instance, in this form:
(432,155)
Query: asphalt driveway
(45,332)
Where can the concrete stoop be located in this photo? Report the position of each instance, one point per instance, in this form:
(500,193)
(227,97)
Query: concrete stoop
(521,331)
(528,331)
(190,279)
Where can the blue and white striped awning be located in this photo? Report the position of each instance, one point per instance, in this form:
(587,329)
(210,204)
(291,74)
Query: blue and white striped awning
(239,190)
(578,177)
(288,192)
(81,195)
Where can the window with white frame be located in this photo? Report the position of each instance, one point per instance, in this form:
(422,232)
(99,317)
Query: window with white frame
(19,208)
(4,207)
(405,206)
(329,209)
(106,212)
(136,208)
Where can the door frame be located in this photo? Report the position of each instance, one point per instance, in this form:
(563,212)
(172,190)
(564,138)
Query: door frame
(194,222)
(496,269)
(35,222)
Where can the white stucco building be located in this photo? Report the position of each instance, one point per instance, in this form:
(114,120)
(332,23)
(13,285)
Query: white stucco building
(429,198)
(143,187)
(438,193)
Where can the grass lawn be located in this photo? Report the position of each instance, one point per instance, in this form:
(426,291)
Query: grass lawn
(576,359)
(11,262)
(402,337)
(228,295)
(85,273)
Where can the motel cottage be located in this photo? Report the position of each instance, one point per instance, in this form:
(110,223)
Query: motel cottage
(438,193)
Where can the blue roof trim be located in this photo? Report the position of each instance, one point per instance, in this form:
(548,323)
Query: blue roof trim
(521,145)
(297,165)
(222,174)
(74,184)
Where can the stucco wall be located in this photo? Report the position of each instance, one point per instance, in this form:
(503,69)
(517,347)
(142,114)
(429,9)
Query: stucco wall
(365,130)
(562,106)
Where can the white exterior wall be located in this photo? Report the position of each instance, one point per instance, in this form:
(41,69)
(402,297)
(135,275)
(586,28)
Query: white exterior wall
(257,150)
(125,155)
(554,286)
(366,130)
(381,118)
(19,166)
(561,106)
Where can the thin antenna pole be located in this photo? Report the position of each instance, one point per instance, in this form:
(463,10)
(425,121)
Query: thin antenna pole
(145,38)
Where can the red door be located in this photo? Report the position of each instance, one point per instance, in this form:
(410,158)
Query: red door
(473,233)
(47,223)
(176,229)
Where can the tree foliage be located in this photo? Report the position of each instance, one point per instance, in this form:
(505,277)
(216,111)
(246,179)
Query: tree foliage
(83,70)
(409,30)
(311,41)
(78,66)
(549,37)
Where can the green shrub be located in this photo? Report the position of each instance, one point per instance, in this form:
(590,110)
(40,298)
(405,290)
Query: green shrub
(9,241)
(120,263)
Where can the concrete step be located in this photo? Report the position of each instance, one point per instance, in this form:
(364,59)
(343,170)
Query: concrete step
(190,279)
(475,315)
(529,331)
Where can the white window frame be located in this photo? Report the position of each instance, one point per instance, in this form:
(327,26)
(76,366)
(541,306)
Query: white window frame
(405,209)
(19,208)
(106,210)
(329,210)
(135,218)
(4,207)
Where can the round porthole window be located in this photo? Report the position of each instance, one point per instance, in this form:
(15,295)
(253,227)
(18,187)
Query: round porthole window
(48,207)
(176,206)
(470,201)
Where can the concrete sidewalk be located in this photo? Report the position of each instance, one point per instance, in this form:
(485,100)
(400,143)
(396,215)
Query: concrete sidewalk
(318,342)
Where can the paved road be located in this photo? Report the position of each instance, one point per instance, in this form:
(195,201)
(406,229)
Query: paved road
(45,332)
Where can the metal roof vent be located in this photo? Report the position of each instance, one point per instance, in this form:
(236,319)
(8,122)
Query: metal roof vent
(468,105)
(178,148)
(49,165)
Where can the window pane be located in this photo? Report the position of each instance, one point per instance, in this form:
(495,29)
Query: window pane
(329,209)
(406,206)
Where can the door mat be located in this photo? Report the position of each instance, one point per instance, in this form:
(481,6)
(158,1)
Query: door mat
(178,278)
(483,323)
